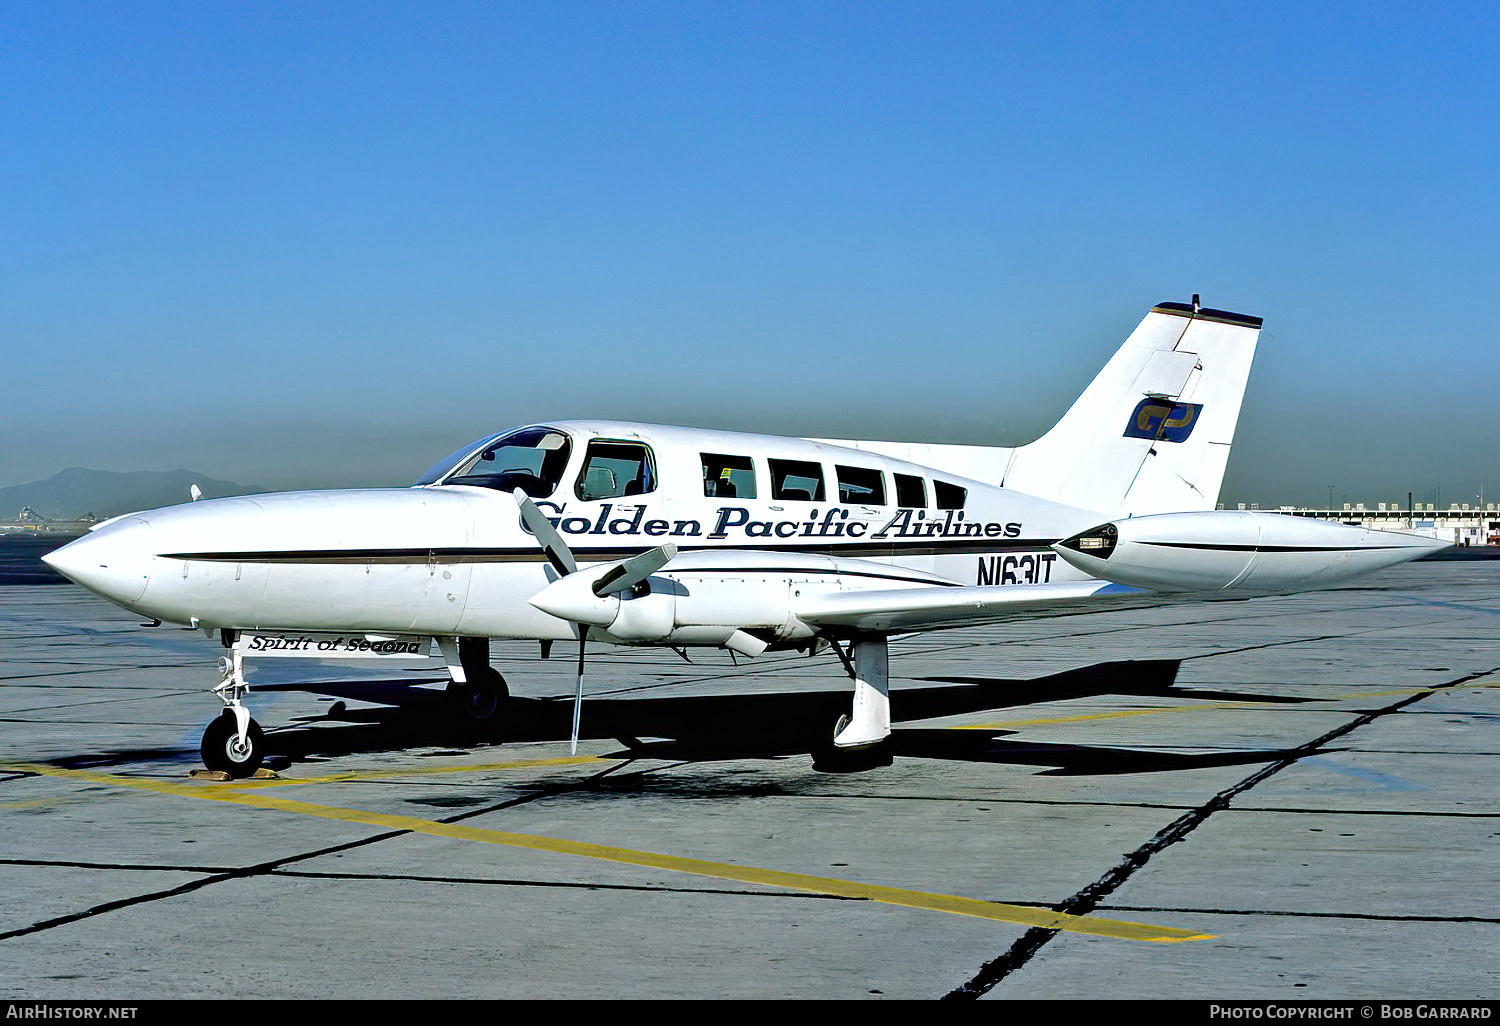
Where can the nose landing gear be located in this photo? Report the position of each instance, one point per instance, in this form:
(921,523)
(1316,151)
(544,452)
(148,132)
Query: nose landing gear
(233,743)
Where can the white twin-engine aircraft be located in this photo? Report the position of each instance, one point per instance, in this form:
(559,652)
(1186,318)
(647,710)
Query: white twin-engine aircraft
(637,534)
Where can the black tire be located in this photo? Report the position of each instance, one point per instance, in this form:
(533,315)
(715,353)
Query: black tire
(482,699)
(852,760)
(830,758)
(221,752)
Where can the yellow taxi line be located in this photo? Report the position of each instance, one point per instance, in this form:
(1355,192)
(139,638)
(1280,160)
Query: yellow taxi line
(35,803)
(953,904)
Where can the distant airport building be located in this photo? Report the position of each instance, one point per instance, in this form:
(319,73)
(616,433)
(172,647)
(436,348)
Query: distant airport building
(1460,524)
(28,521)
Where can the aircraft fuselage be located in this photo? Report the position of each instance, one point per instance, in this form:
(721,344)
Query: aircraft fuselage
(455,559)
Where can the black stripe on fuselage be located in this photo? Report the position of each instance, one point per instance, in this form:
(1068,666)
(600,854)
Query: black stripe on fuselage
(1270,548)
(539,558)
(857,550)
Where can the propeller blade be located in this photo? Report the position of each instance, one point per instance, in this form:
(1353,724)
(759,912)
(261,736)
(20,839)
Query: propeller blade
(557,551)
(627,573)
(583,633)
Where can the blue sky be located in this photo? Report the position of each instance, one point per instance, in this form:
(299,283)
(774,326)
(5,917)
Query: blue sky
(300,245)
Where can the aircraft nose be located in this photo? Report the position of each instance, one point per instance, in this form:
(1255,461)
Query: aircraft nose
(113,560)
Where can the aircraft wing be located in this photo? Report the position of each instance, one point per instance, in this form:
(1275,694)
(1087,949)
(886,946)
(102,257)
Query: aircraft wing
(911,609)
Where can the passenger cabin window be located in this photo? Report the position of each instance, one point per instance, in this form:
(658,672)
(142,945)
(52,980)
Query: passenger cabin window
(531,459)
(613,469)
(860,484)
(949,496)
(728,477)
(795,479)
(911,491)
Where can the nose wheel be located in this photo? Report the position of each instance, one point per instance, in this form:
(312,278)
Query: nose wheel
(224,750)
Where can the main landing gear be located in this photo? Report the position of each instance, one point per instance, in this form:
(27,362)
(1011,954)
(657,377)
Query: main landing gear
(857,737)
(477,693)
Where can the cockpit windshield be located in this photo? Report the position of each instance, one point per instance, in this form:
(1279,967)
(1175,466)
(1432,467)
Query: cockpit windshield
(531,459)
(444,466)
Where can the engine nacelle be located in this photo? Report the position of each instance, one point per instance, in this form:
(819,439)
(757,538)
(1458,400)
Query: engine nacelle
(649,617)
(664,610)
(740,599)
(1236,550)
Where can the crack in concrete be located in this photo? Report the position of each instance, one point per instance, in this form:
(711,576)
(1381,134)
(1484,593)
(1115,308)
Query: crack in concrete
(270,868)
(1086,901)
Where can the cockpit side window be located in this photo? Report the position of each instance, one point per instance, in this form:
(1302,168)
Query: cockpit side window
(613,469)
(531,459)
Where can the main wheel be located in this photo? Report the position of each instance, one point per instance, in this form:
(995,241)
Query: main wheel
(223,751)
(830,758)
(482,698)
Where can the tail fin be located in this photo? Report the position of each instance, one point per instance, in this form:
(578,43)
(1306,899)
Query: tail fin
(1151,434)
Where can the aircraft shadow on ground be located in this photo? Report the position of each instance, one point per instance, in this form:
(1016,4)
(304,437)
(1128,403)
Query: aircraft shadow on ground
(746,726)
(760,726)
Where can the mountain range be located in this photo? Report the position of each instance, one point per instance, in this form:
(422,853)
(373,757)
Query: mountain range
(72,493)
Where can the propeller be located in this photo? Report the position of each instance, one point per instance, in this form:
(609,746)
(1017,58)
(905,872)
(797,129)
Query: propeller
(558,553)
(588,597)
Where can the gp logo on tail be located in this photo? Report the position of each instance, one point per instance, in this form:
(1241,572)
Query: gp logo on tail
(1163,420)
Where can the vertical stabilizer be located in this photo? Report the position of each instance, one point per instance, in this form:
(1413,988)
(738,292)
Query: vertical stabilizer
(1151,434)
